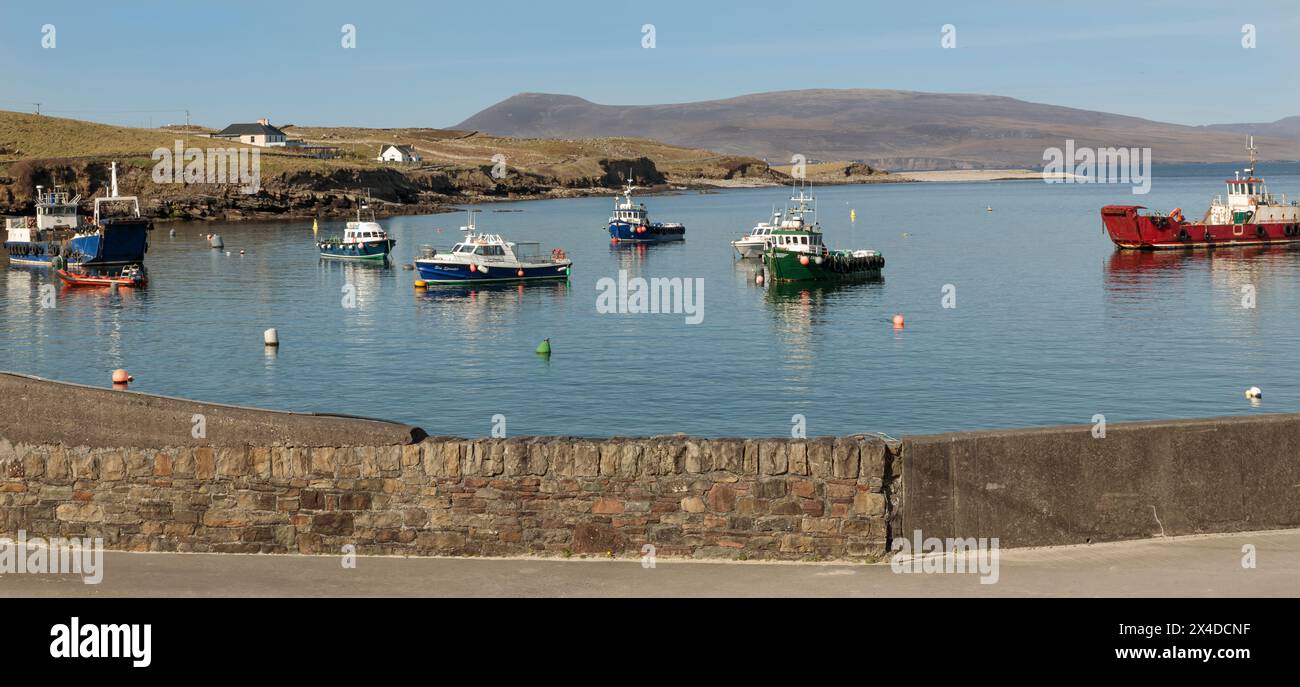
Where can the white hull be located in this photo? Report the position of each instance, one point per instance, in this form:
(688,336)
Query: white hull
(749,249)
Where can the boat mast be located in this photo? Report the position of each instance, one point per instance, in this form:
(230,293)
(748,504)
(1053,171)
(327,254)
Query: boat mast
(1254,157)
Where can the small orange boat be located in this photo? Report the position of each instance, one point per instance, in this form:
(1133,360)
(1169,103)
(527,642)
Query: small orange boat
(131,276)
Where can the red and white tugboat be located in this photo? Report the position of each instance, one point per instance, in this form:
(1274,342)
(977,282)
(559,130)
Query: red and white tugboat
(1251,217)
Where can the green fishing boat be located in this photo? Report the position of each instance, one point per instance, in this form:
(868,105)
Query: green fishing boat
(795,251)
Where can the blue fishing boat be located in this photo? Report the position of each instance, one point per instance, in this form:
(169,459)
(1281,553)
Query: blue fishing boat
(57,236)
(39,239)
(362,240)
(487,258)
(630,222)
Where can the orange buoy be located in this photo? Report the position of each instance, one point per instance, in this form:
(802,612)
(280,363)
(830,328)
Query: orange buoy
(898,321)
(121,376)
(803,260)
(613,241)
(520,273)
(758,279)
(473,267)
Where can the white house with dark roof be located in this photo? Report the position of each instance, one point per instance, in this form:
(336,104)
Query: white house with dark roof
(396,153)
(259,134)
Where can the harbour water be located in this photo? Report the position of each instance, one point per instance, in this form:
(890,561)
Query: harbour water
(1051,324)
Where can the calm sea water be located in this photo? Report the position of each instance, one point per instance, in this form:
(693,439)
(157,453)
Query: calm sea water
(1051,326)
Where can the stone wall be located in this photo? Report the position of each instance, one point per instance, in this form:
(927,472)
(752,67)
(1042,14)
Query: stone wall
(725,498)
(261,481)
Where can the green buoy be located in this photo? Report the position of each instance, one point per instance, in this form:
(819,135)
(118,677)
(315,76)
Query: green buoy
(544,348)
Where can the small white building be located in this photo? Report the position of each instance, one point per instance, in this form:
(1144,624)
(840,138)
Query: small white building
(259,134)
(396,153)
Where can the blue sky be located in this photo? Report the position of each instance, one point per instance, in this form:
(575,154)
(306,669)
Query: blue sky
(432,63)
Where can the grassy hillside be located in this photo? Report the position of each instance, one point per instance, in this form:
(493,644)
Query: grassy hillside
(457,166)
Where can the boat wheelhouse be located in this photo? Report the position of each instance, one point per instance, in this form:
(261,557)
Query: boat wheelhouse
(753,243)
(118,236)
(39,239)
(630,222)
(362,240)
(1248,215)
(488,258)
(796,251)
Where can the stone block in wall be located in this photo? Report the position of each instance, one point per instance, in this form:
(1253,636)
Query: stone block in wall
(728,455)
(845,463)
(772,457)
(232,462)
(586,459)
(205,462)
(84,464)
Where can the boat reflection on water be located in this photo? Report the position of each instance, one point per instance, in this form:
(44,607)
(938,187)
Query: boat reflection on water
(1153,285)
(468,304)
(1127,270)
(817,295)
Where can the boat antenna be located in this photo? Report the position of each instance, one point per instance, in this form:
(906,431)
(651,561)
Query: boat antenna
(471,227)
(1254,157)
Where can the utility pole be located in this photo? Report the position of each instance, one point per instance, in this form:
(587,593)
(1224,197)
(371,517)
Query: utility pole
(187,119)
(38,109)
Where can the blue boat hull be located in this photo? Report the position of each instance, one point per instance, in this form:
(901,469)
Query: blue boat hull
(460,274)
(372,250)
(655,233)
(117,244)
(38,253)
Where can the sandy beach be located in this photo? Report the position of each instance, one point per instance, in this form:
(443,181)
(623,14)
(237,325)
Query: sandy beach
(978,175)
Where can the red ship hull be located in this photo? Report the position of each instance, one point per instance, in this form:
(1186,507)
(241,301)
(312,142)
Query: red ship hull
(1130,229)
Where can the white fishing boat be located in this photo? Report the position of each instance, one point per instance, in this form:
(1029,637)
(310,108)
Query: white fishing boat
(752,244)
(487,258)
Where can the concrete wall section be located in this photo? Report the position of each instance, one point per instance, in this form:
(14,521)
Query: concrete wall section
(1064,486)
(38,411)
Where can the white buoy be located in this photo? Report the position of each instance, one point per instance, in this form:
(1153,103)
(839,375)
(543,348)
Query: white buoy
(1254,392)
(271,337)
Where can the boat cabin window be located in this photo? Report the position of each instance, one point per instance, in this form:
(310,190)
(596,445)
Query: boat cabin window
(490,250)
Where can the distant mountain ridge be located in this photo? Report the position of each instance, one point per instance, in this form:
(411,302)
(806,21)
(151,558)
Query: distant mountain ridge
(1287,127)
(896,130)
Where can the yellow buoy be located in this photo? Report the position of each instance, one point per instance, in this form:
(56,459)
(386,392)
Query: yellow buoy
(315,227)
(853,215)
(420,283)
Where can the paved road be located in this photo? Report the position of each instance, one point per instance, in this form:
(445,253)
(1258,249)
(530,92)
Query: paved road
(1181,566)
